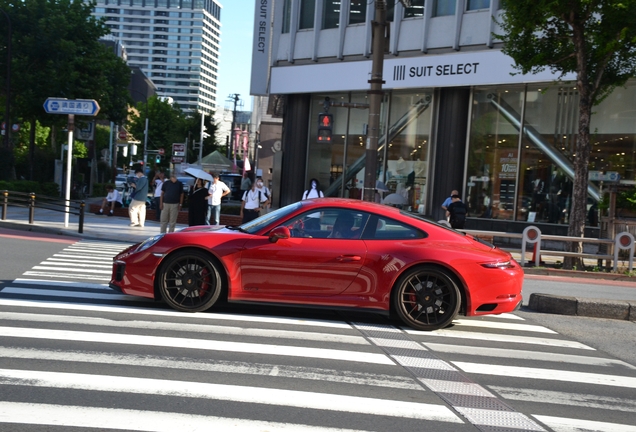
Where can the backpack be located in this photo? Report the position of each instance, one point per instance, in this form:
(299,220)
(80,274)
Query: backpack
(306,194)
(458,211)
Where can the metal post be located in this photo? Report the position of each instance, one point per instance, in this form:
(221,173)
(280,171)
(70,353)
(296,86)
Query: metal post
(146,137)
(201,143)
(4,204)
(69,157)
(81,217)
(31,208)
(375,101)
(7,116)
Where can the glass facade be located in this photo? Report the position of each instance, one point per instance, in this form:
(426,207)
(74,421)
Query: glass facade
(331,14)
(416,10)
(357,11)
(307,11)
(529,177)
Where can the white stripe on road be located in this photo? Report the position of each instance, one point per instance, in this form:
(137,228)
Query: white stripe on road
(73,269)
(125,419)
(524,354)
(184,327)
(75,264)
(63,284)
(104,259)
(560,424)
(64,275)
(571,399)
(171,313)
(243,394)
(196,344)
(82,260)
(547,374)
(502,326)
(74,294)
(227,367)
(492,337)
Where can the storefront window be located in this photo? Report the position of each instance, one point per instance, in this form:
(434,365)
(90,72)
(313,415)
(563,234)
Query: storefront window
(443,7)
(407,153)
(493,152)
(307,10)
(477,4)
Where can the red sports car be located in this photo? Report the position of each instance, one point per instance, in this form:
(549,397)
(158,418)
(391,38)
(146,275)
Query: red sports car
(327,252)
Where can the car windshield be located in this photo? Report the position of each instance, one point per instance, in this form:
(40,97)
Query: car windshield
(429,220)
(266,219)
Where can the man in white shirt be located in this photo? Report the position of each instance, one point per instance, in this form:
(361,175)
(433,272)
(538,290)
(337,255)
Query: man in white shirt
(251,204)
(159,179)
(264,190)
(112,201)
(218,190)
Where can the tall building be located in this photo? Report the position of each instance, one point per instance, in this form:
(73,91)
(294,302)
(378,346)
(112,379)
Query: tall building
(175,42)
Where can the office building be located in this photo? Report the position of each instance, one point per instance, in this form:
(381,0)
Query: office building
(456,114)
(175,42)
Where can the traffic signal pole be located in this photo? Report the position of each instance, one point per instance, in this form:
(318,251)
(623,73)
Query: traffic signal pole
(375,101)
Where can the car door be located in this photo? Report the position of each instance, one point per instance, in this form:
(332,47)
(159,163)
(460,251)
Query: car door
(310,263)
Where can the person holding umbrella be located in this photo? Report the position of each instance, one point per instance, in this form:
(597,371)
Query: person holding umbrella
(198,203)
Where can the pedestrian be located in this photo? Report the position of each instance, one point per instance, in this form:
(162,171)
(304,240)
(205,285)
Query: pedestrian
(260,186)
(112,201)
(457,212)
(314,190)
(449,200)
(158,181)
(137,208)
(171,202)
(246,182)
(251,204)
(198,203)
(217,191)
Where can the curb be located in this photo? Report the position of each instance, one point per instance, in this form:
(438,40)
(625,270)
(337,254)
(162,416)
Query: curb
(588,307)
(544,271)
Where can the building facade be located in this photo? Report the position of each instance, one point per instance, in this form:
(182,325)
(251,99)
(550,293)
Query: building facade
(455,112)
(175,42)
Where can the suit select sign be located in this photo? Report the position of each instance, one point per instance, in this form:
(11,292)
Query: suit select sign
(178,153)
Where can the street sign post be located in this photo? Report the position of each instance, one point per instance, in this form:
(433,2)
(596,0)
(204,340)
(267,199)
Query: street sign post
(88,107)
(178,153)
(71,108)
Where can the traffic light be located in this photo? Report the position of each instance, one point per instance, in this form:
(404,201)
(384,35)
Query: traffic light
(158,159)
(325,127)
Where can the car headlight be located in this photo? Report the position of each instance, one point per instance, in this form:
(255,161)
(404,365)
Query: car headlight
(501,265)
(149,242)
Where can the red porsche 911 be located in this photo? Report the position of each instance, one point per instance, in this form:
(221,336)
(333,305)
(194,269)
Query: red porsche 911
(330,252)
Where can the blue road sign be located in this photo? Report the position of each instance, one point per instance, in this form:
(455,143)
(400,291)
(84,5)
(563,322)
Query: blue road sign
(87,107)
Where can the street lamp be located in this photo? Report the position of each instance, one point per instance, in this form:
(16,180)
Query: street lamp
(146,123)
(7,116)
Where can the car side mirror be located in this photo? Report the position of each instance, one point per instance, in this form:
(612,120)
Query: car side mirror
(280,232)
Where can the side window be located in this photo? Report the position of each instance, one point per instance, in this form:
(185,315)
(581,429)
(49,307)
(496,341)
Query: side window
(381,228)
(329,223)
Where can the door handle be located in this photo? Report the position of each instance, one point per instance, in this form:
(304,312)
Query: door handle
(348,258)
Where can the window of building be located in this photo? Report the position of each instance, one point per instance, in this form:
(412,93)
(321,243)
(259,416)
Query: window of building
(415,10)
(357,11)
(307,12)
(286,16)
(443,7)
(477,4)
(331,14)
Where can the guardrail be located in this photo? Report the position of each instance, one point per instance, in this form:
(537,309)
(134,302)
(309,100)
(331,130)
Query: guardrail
(28,200)
(532,235)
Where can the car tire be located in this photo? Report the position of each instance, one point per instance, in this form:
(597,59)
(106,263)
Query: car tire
(426,298)
(190,281)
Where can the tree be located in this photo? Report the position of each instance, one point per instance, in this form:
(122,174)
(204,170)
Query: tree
(57,53)
(596,39)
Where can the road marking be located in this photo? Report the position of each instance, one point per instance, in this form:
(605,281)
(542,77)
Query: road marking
(74,270)
(508,420)
(563,398)
(63,284)
(125,419)
(184,327)
(207,316)
(196,344)
(502,326)
(73,294)
(244,394)
(524,354)
(547,374)
(560,424)
(75,264)
(230,367)
(64,275)
(502,338)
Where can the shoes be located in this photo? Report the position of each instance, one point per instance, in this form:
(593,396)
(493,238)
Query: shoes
(99,213)
(111,214)
(134,224)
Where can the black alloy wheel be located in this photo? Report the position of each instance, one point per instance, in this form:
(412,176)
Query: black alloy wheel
(426,298)
(189,281)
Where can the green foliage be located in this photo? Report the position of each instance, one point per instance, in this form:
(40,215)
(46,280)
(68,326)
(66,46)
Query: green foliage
(99,189)
(26,186)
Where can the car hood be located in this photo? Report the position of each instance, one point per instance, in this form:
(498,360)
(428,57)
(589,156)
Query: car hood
(205,228)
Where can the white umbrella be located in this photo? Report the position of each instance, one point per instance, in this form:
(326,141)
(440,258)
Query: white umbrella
(198,173)
(394,199)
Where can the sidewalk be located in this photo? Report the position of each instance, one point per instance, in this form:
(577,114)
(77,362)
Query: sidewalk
(117,228)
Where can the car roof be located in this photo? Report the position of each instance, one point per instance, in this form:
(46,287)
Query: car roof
(353,204)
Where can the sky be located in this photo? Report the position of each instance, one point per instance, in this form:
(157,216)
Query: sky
(235,57)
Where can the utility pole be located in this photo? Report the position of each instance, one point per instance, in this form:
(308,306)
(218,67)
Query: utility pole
(235,98)
(375,101)
(7,115)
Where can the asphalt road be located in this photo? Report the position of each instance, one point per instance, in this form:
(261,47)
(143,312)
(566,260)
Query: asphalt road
(73,353)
